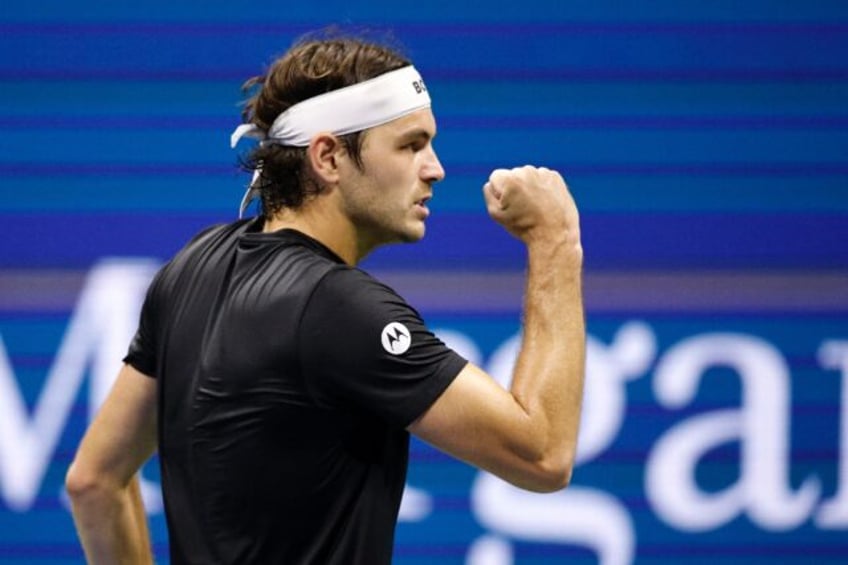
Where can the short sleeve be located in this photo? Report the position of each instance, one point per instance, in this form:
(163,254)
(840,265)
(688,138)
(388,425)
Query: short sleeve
(142,350)
(363,347)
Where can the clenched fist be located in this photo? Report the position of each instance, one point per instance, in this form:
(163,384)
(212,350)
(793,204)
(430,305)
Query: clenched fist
(534,205)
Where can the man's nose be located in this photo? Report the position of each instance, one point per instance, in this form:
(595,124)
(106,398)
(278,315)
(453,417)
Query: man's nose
(432,171)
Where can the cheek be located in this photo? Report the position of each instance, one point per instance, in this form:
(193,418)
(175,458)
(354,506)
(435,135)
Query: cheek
(392,177)
(392,173)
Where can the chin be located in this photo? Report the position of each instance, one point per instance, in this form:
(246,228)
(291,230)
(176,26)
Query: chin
(414,235)
(410,232)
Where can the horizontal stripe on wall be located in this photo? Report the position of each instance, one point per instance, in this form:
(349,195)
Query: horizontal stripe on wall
(464,292)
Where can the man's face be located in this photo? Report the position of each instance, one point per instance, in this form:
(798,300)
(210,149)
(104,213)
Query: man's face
(387,199)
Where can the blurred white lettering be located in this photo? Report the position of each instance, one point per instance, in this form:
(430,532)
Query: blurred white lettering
(760,425)
(106,314)
(833,513)
(96,339)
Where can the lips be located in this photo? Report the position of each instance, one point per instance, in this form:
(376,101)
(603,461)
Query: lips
(421,205)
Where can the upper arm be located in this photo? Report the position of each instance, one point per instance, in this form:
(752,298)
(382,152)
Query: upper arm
(365,349)
(481,423)
(123,434)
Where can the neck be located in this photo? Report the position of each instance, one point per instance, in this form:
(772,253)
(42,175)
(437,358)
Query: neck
(322,223)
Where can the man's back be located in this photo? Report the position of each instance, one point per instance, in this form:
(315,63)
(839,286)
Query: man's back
(254,468)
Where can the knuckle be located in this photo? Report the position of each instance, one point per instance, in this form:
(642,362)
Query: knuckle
(498,174)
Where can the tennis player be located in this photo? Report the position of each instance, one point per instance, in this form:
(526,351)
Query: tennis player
(280,383)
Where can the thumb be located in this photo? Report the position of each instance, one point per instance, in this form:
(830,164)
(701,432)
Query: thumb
(491,192)
(492,196)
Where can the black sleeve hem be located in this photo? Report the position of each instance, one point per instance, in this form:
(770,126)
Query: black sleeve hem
(438,383)
(139,365)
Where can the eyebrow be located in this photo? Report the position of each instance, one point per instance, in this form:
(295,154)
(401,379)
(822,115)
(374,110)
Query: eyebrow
(417,133)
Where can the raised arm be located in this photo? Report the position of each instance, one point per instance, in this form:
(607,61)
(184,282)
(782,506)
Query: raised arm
(527,435)
(102,480)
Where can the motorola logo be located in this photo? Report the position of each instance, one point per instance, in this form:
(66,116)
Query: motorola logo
(396,339)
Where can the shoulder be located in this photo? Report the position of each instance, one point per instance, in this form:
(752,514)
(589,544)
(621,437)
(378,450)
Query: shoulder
(352,281)
(200,252)
(362,345)
(350,305)
(205,243)
(215,236)
(352,289)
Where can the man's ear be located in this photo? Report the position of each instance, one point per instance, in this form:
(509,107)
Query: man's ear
(323,155)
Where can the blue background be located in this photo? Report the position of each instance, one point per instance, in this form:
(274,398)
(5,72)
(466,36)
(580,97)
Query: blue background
(702,141)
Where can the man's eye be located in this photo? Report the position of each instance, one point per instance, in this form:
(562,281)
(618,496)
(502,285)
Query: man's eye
(413,146)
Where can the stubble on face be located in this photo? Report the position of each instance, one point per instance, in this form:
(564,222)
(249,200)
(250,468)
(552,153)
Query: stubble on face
(385,199)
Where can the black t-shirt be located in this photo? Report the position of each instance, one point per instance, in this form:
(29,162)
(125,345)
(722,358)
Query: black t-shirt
(285,382)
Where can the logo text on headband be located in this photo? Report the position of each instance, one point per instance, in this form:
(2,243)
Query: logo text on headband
(419,87)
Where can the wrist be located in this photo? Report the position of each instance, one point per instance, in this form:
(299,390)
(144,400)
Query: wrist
(560,249)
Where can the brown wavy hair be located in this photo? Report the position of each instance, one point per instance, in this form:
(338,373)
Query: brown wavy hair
(312,66)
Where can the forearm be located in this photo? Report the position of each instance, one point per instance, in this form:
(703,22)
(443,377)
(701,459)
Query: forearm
(528,434)
(548,376)
(112,524)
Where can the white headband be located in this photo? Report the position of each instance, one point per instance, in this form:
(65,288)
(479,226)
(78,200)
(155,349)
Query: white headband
(346,110)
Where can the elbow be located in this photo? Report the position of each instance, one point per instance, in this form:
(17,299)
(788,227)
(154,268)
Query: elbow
(553,475)
(83,484)
(544,475)
(543,468)
(78,483)
(552,466)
